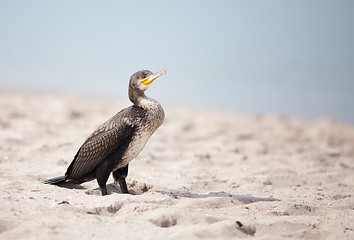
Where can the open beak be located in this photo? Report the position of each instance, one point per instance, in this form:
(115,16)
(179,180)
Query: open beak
(152,77)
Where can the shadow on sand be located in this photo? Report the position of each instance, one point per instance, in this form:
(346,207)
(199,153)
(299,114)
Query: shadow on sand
(138,189)
(96,191)
(69,185)
(242,198)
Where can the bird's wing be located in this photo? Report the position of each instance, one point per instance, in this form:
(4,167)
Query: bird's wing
(104,141)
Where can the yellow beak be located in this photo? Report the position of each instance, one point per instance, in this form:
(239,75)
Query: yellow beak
(152,77)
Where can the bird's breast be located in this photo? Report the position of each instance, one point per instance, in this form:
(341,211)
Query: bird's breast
(145,127)
(135,146)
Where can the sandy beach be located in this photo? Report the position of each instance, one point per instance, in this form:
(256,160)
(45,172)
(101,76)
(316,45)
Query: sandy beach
(202,175)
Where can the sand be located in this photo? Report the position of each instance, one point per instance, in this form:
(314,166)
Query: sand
(203,175)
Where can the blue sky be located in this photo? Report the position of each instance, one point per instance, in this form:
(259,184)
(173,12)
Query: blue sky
(285,57)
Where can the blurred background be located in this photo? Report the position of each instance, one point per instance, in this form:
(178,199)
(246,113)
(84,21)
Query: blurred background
(293,58)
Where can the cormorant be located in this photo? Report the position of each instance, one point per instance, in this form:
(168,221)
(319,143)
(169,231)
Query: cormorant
(119,140)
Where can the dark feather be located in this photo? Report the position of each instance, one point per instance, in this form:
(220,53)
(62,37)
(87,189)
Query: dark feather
(55,180)
(100,144)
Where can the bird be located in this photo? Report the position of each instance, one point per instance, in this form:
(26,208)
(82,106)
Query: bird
(119,140)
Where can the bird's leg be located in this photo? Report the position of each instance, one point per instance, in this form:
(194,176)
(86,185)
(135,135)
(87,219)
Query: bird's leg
(119,176)
(102,174)
(104,190)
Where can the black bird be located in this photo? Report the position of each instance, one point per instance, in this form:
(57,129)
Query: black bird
(119,140)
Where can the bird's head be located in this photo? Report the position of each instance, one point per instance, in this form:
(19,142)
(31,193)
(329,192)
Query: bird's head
(140,81)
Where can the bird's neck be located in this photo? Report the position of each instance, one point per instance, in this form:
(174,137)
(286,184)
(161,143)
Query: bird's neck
(152,108)
(140,99)
(146,103)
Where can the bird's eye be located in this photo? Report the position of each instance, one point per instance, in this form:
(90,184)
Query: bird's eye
(144,75)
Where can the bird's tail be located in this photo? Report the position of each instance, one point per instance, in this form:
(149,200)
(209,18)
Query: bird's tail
(55,180)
